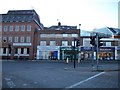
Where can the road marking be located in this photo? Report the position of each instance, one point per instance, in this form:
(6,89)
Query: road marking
(10,82)
(76,84)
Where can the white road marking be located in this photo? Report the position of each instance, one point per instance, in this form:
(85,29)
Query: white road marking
(24,84)
(10,82)
(76,84)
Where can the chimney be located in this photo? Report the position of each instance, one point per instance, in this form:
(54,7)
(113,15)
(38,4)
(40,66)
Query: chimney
(59,24)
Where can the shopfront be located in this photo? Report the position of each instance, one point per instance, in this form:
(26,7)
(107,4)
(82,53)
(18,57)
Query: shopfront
(48,52)
(68,52)
(86,53)
(106,53)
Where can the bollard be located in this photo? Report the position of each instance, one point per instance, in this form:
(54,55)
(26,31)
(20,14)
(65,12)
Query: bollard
(67,61)
(78,60)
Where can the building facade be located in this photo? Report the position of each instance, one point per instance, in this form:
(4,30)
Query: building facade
(106,52)
(56,42)
(111,44)
(19,30)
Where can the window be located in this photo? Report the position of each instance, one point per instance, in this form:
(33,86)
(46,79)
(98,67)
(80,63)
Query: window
(16,28)
(59,35)
(15,39)
(10,39)
(52,43)
(65,35)
(22,50)
(42,43)
(43,35)
(11,28)
(52,35)
(74,35)
(0,28)
(28,27)
(22,39)
(28,39)
(5,28)
(108,43)
(64,43)
(22,27)
(4,50)
(27,50)
(73,43)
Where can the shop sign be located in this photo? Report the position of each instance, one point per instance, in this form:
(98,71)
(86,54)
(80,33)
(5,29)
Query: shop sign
(66,48)
(118,48)
(48,48)
(22,44)
(86,48)
(107,49)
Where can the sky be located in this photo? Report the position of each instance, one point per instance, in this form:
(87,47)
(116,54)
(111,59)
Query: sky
(91,14)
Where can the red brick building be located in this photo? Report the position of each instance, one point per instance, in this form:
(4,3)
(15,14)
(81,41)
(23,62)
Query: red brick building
(19,33)
(56,42)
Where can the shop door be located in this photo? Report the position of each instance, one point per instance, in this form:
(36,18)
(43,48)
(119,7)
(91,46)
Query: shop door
(55,54)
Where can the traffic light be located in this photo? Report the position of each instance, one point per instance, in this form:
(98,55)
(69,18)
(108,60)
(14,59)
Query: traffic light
(92,40)
(77,42)
(100,42)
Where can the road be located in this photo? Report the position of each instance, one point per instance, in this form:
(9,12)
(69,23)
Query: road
(54,74)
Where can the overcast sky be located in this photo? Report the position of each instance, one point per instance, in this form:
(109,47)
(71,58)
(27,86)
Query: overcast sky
(90,14)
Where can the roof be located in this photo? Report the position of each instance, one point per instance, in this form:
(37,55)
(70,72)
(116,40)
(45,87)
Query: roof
(62,27)
(22,16)
(21,12)
(107,31)
(114,30)
(85,33)
(18,18)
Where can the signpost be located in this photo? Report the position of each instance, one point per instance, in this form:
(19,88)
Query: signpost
(97,50)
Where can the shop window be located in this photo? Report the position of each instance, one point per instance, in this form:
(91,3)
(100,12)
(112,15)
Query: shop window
(22,50)
(4,50)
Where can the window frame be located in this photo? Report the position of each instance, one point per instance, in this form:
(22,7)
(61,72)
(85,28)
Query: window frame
(22,27)
(28,27)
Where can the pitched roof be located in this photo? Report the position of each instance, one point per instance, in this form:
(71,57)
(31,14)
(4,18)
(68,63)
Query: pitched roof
(114,30)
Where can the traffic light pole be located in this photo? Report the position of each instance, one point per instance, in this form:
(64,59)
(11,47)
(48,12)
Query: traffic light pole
(74,52)
(97,50)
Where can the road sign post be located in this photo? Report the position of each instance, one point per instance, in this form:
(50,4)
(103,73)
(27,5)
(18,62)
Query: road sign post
(74,51)
(97,50)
